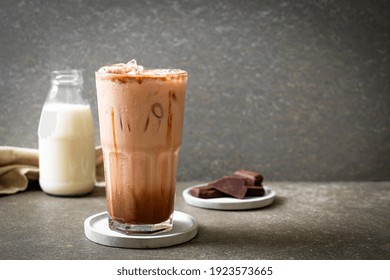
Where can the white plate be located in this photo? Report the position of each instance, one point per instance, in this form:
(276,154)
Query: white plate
(230,203)
(96,229)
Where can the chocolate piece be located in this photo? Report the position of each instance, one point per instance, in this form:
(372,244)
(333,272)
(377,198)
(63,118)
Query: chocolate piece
(251,178)
(232,186)
(255,191)
(206,192)
(241,184)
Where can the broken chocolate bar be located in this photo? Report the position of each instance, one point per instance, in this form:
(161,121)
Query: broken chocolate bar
(251,178)
(241,184)
(232,186)
(210,192)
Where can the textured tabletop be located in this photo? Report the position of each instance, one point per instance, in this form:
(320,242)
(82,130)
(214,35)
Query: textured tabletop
(306,221)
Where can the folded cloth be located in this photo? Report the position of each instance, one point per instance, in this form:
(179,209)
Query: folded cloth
(18,166)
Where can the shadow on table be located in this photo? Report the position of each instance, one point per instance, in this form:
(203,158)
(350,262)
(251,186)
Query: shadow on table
(33,186)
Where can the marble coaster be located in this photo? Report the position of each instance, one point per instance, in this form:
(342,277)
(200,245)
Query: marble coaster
(96,229)
(230,203)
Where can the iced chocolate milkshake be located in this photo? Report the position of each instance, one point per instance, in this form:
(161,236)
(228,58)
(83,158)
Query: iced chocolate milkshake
(141,113)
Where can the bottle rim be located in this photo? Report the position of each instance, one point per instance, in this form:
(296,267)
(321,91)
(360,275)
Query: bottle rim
(70,77)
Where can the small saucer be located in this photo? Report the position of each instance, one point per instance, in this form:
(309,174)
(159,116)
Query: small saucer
(230,203)
(96,229)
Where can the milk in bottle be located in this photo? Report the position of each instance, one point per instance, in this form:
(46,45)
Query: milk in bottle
(66,138)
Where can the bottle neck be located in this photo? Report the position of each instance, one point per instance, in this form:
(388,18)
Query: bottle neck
(66,87)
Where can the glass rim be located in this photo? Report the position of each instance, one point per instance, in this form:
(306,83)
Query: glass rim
(146,75)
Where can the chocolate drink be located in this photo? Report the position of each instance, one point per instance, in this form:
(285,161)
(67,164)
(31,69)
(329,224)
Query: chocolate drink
(141,115)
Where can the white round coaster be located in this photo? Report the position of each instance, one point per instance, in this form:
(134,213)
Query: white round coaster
(96,229)
(230,203)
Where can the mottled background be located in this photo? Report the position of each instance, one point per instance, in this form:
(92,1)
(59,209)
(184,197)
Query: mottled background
(298,90)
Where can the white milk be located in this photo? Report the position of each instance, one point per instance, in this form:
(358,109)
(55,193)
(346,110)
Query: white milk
(66,149)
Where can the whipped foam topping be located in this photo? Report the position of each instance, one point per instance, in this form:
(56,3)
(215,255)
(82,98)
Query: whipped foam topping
(132,68)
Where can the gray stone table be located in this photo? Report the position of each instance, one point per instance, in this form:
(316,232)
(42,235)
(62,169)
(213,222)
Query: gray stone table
(341,220)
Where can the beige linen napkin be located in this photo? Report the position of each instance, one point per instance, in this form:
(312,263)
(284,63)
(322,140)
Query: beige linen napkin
(19,165)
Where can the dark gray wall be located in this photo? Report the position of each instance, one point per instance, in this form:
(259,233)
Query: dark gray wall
(298,90)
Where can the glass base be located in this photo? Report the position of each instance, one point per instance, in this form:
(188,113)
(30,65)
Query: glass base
(141,228)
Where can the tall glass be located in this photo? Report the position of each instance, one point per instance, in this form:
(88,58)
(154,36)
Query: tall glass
(141,115)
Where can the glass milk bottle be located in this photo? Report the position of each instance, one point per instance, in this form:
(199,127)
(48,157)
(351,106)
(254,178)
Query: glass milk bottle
(66,138)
